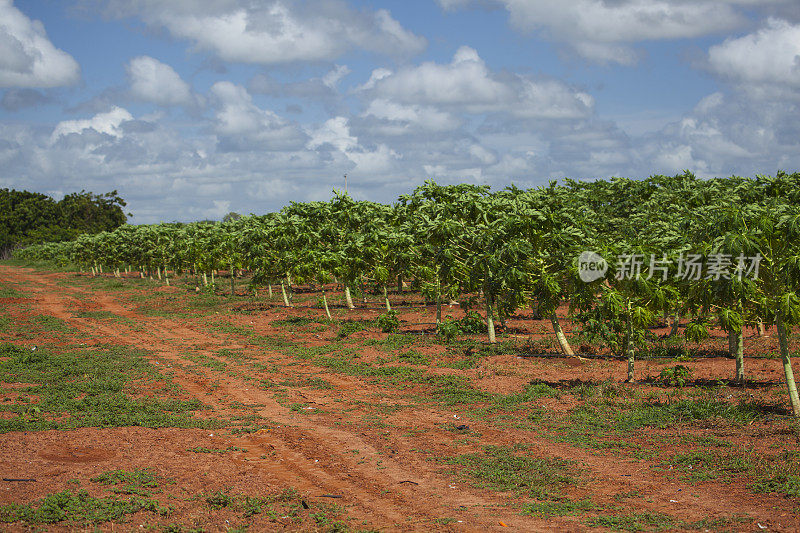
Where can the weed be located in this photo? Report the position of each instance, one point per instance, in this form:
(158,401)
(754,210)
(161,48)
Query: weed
(561,507)
(348,327)
(388,322)
(142,482)
(78,507)
(504,468)
(633,522)
(675,376)
(89,388)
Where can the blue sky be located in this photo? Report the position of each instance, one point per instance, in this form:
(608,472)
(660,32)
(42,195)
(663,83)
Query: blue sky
(192,109)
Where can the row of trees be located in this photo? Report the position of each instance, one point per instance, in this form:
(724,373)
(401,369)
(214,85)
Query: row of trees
(29,217)
(725,252)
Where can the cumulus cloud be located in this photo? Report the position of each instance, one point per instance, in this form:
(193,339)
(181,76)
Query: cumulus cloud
(335,134)
(603,30)
(276,31)
(153,81)
(16,99)
(426,117)
(467,83)
(317,88)
(770,56)
(242,125)
(27,57)
(729,134)
(107,123)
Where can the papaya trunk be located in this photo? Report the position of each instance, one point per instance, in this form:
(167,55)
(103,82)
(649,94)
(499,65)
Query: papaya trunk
(760,328)
(676,321)
(629,347)
(283,292)
(386,298)
(233,280)
(791,386)
(348,298)
(490,316)
(399,284)
(325,302)
(562,339)
(269,290)
(736,348)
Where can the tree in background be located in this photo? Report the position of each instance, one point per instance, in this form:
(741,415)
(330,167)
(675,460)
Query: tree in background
(31,218)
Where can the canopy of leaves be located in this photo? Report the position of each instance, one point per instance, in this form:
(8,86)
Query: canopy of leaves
(31,218)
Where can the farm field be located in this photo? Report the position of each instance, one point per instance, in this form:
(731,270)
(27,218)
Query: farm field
(157,408)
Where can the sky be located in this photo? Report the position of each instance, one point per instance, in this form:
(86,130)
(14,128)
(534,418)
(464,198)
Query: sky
(191,109)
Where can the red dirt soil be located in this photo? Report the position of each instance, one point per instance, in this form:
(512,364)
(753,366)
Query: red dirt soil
(390,482)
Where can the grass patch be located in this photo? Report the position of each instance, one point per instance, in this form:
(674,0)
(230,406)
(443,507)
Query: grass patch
(140,482)
(80,508)
(414,357)
(7,291)
(563,507)
(208,362)
(392,342)
(313,382)
(293,322)
(348,327)
(634,522)
(52,324)
(508,468)
(701,465)
(90,388)
(95,314)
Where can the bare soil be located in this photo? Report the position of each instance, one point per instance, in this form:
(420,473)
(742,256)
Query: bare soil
(373,450)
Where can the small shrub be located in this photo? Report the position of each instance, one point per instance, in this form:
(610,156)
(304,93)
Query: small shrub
(349,327)
(448,328)
(388,322)
(472,323)
(675,376)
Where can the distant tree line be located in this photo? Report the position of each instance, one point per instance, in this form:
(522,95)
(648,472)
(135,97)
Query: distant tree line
(31,218)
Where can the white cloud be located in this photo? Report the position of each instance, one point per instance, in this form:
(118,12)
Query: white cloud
(107,123)
(426,117)
(468,84)
(27,57)
(603,30)
(770,56)
(333,77)
(276,31)
(242,125)
(153,81)
(335,133)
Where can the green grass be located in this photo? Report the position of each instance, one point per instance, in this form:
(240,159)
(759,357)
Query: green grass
(80,508)
(95,314)
(51,324)
(561,507)
(715,464)
(285,503)
(413,357)
(635,522)
(140,482)
(7,291)
(206,361)
(510,468)
(392,342)
(294,322)
(348,327)
(80,387)
(313,382)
